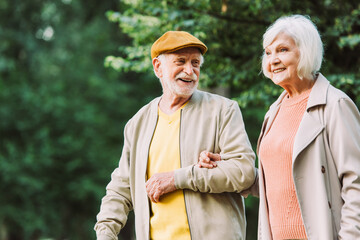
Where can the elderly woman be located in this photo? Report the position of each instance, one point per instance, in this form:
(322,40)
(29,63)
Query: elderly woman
(309,146)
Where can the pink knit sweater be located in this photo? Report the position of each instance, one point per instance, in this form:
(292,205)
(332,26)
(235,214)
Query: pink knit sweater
(275,153)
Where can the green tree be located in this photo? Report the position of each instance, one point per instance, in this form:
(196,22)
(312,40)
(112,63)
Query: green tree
(62,115)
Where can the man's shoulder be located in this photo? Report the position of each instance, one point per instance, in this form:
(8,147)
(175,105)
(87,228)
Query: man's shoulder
(145,111)
(212,98)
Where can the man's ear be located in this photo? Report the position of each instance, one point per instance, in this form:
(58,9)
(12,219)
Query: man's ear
(157,67)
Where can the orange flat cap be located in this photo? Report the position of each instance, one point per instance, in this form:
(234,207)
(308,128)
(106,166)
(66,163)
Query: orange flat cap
(172,41)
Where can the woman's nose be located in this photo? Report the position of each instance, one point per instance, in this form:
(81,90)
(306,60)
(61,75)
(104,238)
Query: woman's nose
(274,59)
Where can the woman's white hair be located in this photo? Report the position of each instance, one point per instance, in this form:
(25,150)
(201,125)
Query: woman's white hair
(307,39)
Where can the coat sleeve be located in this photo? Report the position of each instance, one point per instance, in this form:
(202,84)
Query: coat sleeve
(236,172)
(344,140)
(254,188)
(117,203)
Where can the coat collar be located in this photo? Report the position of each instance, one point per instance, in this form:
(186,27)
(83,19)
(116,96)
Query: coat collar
(195,98)
(310,125)
(317,95)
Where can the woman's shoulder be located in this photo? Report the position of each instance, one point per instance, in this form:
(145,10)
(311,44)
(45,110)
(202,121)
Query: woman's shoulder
(335,94)
(338,101)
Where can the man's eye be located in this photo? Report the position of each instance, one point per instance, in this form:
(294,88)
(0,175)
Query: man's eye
(283,50)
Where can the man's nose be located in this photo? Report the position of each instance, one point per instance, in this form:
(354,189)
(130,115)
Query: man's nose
(188,68)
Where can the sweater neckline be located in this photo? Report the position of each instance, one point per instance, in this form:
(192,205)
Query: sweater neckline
(290,101)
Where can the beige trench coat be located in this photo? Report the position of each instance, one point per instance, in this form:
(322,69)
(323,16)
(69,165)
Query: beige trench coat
(326,166)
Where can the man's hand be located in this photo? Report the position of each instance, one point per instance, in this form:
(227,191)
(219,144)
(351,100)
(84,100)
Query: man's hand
(160,184)
(208,159)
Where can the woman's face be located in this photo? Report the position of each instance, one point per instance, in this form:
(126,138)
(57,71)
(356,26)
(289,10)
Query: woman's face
(281,60)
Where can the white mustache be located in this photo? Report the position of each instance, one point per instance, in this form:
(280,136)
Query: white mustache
(192,77)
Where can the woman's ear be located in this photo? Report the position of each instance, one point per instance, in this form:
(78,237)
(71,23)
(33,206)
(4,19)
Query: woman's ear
(157,67)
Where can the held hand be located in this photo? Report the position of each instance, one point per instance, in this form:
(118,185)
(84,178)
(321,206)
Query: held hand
(208,159)
(160,184)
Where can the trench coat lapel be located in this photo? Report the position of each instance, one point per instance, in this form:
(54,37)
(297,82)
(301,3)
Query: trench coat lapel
(311,124)
(309,128)
(269,118)
(147,141)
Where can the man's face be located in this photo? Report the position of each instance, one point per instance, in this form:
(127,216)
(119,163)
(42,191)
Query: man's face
(180,72)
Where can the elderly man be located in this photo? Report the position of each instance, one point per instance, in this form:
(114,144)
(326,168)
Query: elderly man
(158,176)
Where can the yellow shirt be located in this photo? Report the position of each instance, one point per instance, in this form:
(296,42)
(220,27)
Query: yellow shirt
(168,218)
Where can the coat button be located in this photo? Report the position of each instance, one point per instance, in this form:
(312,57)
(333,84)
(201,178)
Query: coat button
(322,169)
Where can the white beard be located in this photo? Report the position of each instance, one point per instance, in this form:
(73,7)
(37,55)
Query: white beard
(175,89)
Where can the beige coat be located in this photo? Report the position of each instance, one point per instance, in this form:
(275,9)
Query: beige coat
(214,207)
(326,166)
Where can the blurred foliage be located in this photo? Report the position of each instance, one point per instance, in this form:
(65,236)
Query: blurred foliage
(62,112)
(62,115)
(233,32)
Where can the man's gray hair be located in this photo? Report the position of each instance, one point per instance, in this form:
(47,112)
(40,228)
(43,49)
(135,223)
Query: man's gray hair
(307,39)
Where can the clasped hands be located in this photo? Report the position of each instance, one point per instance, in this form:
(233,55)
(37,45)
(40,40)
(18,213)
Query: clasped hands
(208,159)
(162,183)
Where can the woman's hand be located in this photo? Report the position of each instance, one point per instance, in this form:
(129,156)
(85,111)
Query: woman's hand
(208,159)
